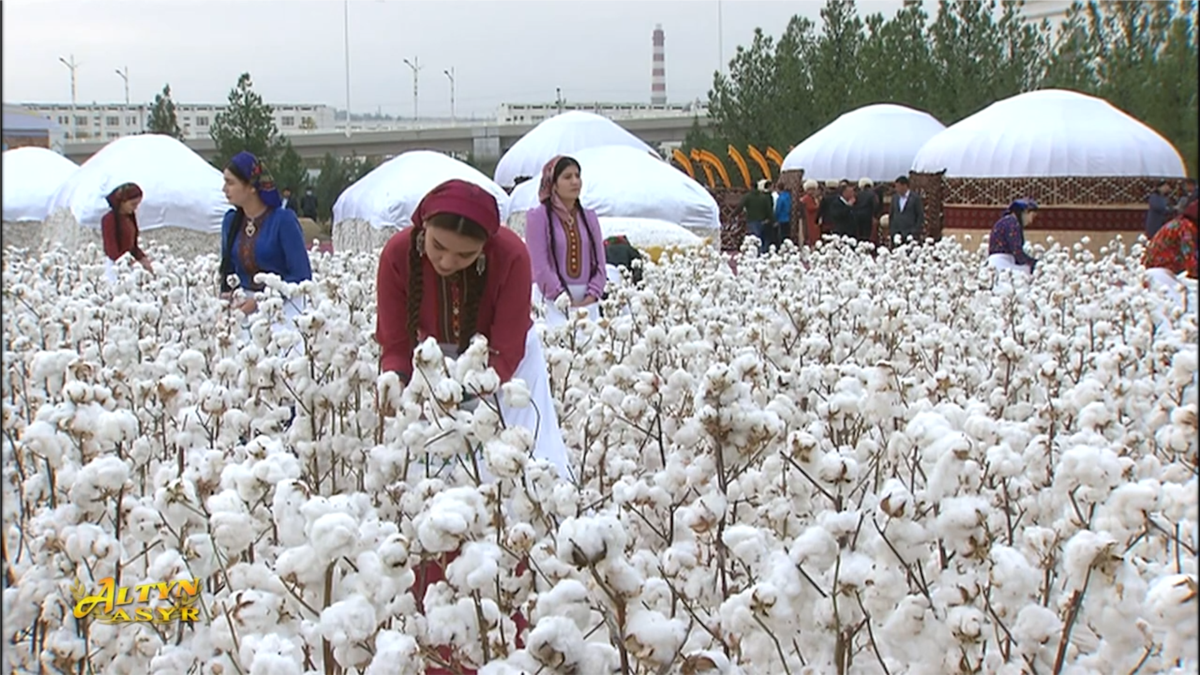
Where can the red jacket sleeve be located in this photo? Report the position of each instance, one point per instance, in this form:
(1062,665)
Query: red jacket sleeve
(512,319)
(391,306)
(108,232)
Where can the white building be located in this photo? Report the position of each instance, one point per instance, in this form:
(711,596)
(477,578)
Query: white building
(533,113)
(1054,10)
(108,121)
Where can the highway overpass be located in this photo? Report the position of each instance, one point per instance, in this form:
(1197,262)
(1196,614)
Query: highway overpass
(484,141)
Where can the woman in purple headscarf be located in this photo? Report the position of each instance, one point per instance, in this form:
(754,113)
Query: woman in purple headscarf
(259,236)
(565,243)
(1006,243)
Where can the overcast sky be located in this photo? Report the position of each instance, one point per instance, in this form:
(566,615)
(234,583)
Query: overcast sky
(501,50)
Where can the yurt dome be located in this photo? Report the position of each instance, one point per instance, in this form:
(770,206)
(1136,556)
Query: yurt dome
(875,141)
(626,182)
(1049,133)
(564,134)
(31,177)
(180,188)
(368,212)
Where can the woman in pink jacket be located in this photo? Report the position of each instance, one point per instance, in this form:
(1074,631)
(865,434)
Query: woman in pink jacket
(565,244)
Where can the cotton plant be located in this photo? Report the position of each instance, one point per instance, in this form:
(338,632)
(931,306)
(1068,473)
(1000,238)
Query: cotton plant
(840,459)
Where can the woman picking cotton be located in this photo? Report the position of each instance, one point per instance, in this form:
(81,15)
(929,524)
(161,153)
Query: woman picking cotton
(455,274)
(119,229)
(1006,243)
(259,236)
(1173,252)
(565,243)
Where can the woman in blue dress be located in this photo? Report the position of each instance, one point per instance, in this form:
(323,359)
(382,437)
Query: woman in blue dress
(258,235)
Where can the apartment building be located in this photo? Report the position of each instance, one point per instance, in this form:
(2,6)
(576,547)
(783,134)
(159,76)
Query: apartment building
(108,121)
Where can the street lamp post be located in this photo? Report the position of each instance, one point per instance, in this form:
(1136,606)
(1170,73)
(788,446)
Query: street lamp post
(450,75)
(415,65)
(72,66)
(124,75)
(346,28)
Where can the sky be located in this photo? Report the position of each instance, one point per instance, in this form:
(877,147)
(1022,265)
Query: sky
(502,51)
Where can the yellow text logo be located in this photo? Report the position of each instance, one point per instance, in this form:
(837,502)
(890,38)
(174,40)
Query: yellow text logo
(114,604)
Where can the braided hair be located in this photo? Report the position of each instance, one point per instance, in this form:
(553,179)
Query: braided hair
(472,288)
(562,165)
(239,217)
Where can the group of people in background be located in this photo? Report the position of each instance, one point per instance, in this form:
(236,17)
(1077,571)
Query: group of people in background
(855,210)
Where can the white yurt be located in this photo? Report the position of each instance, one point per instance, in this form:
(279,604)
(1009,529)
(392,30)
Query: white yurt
(875,141)
(563,134)
(625,182)
(1088,164)
(370,211)
(31,177)
(183,203)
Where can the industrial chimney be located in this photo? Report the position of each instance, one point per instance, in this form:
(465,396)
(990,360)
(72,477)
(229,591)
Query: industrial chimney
(658,75)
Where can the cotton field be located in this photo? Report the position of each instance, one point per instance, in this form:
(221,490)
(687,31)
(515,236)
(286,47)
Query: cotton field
(834,461)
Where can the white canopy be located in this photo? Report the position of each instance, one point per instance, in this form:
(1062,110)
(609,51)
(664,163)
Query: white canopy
(626,182)
(645,232)
(876,142)
(387,196)
(180,188)
(1051,132)
(31,177)
(564,134)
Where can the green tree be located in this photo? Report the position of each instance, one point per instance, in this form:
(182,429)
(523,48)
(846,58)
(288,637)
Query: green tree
(742,102)
(837,70)
(163,119)
(290,170)
(246,124)
(335,176)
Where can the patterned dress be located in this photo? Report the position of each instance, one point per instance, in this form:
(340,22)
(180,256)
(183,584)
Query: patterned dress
(1174,248)
(1009,237)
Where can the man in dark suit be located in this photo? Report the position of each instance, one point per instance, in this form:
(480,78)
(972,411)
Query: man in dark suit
(907,217)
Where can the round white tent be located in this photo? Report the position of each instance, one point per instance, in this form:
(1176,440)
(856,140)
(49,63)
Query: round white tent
(31,177)
(625,182)
(370,211)
(1048,133)
(564,134)
(875,141)
(183,203)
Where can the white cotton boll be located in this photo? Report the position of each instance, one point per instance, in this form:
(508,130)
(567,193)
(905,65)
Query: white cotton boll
(556,642)
(586,541)
(1036,627)
(746,543)
(841,524)
(650,636)
(449,518)
(301,564)
(960,522)
(503,460)
(1171,601)
(516,394)
(232,527)
(334,535)
(476,568)
(1014,581)
(395,652)
(816,549)
(347,622)
(1083,551)
(837,469)
(272,655)
(568,598)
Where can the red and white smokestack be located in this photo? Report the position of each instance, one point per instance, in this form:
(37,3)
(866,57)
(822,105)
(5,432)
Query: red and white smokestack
(658,76)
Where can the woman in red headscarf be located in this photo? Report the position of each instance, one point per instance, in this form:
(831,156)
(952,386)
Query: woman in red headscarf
(119,228)
(457,273)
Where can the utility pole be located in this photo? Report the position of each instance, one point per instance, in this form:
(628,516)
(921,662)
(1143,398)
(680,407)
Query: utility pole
(415,65)
(346,28)
(450,74)
(72,66)
(720,40)
(558,99)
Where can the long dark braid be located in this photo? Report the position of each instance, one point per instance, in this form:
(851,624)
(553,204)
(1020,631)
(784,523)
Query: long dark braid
(416,285)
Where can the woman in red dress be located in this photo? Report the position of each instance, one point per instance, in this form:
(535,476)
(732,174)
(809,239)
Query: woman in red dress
(119,228)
